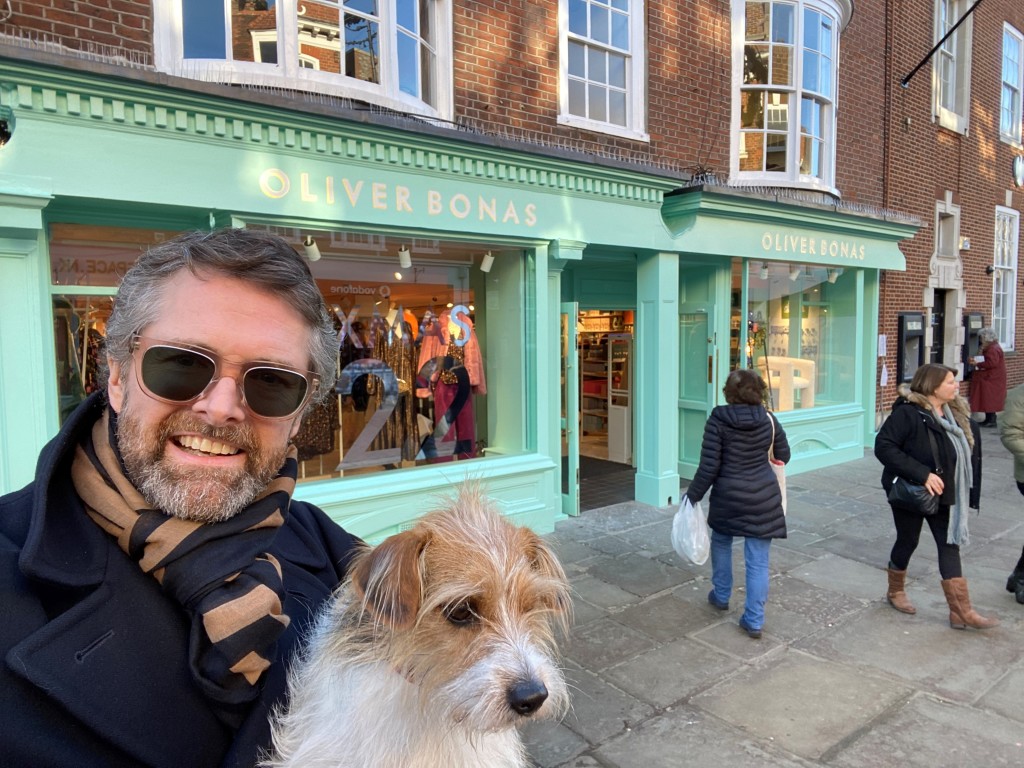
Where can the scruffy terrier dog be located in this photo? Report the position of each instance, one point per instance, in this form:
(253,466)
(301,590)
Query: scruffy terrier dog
(440,642)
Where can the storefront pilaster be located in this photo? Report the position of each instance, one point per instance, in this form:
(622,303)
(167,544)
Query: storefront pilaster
(657,385)
(26,349)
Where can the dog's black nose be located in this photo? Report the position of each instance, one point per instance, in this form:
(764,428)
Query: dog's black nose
(526,697)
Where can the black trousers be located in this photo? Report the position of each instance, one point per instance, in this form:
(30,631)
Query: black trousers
(908,534)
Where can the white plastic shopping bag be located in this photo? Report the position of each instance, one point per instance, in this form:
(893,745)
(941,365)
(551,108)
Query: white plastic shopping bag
(690,532)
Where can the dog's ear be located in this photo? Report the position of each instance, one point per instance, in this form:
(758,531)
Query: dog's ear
(389,581)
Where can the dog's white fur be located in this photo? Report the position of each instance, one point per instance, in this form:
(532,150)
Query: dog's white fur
(429,647)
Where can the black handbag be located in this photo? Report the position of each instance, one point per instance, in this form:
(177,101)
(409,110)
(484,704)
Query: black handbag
(912,495)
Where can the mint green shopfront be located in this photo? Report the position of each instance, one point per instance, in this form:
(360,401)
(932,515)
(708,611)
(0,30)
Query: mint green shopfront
(439,229)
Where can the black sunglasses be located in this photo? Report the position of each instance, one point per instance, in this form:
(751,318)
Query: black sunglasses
(182,373)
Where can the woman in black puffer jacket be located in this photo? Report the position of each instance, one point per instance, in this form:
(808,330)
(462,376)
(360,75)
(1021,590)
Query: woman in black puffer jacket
(745,496)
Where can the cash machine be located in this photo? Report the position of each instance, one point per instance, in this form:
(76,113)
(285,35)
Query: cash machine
(909,345)
(973,322)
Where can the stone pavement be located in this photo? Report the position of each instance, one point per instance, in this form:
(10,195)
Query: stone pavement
(661,679)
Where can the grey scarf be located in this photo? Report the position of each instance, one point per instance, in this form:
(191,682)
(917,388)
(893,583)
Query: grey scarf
(958,533)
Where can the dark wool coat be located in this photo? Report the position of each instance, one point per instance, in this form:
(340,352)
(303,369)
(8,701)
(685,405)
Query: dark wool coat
(903,447)
(988,383)
(95,664)
(745,496)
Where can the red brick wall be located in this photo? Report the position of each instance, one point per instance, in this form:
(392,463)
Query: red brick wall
(925,160)
(79,24)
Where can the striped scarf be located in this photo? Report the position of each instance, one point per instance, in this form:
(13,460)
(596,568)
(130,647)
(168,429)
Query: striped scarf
(220,573)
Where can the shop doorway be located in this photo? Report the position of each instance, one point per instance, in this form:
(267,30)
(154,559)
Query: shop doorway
(598,460)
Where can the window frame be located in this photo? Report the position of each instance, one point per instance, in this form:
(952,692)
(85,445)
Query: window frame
(839,11)
(1014,135)
(636,75)
(1006,273)
(288,73)
(959,47)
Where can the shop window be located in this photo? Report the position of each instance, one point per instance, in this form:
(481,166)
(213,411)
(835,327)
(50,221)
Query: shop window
(419,363)
(85,260)
(1010,115)
(800,320)
(395,53)
(786,91)
(1004,279)
(952,65)
(604,66)
(422,363)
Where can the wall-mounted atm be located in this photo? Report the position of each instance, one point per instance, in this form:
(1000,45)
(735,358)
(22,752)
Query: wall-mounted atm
(973,322)
(909,345)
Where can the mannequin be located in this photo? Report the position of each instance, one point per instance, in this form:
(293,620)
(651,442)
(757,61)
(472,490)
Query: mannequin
(452,345)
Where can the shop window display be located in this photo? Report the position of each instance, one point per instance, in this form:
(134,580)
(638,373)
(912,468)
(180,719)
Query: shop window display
(412,371)
(801,320)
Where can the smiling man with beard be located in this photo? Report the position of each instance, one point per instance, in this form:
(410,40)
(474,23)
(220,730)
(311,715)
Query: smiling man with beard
(156,573)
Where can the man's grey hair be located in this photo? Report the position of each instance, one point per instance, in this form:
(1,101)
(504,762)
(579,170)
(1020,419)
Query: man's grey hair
(252,256)
(987,335)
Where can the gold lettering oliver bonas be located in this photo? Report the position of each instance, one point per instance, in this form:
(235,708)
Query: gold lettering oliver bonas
(276,184)
(812,246)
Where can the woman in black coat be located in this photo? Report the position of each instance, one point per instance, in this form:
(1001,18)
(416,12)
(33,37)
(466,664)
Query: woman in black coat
(745,496)
(931,412)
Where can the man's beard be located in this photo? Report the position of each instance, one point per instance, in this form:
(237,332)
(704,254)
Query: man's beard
(205,495)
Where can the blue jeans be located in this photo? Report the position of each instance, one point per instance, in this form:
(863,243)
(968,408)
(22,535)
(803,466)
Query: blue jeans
(755,559)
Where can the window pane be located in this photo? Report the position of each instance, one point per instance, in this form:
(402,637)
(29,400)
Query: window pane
(406,14)
(599,25)
(428,63)
(621,5)
(812,30)
(755,64)
(578,17)
(782,65)
(617,107)
(811,71)
(620,31)
(751,151)
(801,345)
(777,111)
(203,29)
(758,15)
(577,60)
(325,49)
(810,156)
(775,152)
(617,70)
(369,7)
(598,108)
(362,49)
(782,23)
(268,52)
(825,77)
(408,64)
(596,67)
(577,98)
(752,109)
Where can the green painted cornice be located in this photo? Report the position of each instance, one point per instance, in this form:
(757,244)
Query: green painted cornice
(722,221)
(144,102)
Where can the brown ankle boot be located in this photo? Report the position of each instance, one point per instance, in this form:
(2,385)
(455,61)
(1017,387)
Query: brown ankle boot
(961,614)
(897,597)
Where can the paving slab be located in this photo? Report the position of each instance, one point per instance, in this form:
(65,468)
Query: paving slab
(814,704)
(926,732)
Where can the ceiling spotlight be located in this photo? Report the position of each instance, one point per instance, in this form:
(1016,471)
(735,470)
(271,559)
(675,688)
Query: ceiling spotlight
(486,262)
(310,247)
(794,273)
(404,257)
(398,275)
(764,271)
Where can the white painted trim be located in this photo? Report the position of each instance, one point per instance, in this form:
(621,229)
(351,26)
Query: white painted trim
(168,48)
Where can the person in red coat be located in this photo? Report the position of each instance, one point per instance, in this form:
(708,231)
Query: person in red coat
(988,385)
